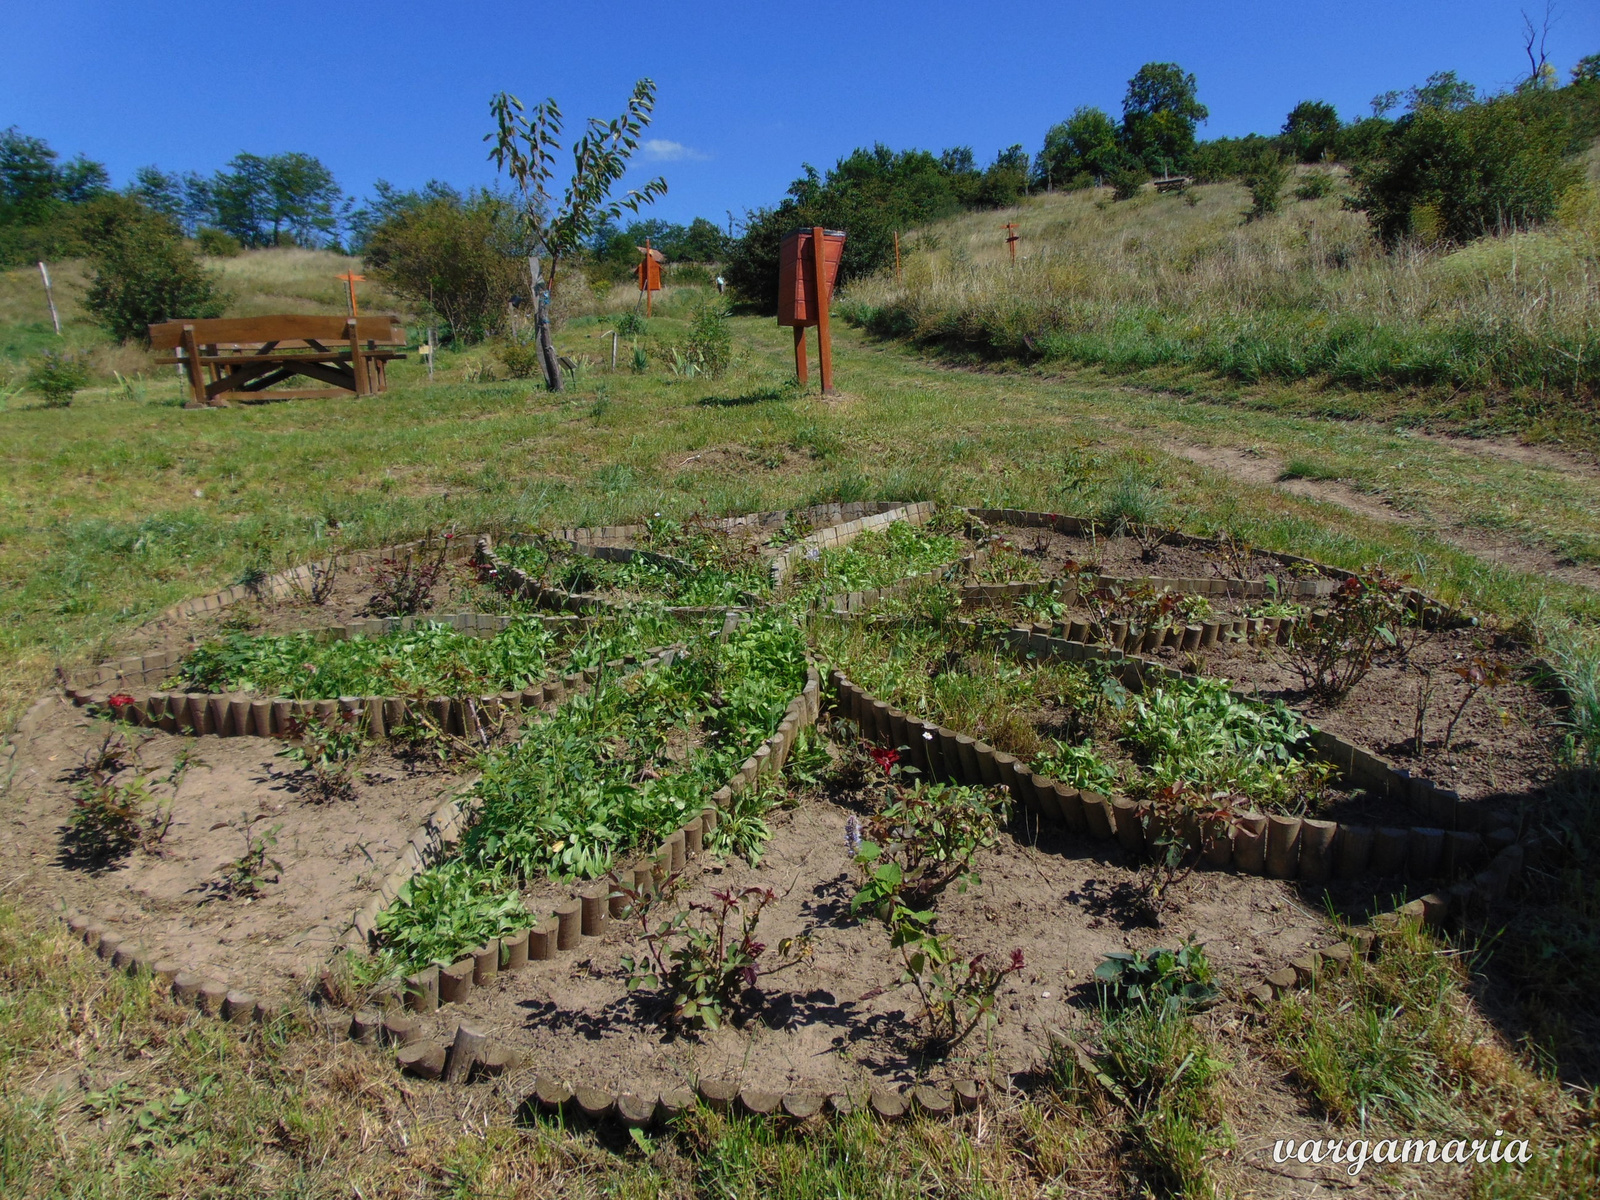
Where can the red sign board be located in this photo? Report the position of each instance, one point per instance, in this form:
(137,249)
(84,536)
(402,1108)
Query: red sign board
(797,275)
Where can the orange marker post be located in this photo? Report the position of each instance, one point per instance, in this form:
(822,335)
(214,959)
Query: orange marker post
(1011,240)
(648,273)
(351,279)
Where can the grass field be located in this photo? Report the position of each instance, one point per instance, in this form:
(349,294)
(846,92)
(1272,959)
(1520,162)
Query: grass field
(126,502)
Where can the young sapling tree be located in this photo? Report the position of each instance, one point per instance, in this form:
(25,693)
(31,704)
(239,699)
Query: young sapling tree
(524,147)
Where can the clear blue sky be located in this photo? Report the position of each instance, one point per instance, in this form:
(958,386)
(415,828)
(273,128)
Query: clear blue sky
(747,91)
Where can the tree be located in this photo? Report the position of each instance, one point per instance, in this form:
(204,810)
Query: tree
(459,255)
(703,241)
(1453,174)
(1587,70)
(1159,114)
(1443,91)
(142,271)
(1079,150)
(524,147)
(388,203)
(185,198)
(1311,130)
(28,183)
(257,199)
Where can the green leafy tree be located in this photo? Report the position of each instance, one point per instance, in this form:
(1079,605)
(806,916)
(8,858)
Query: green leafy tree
(1587,70)
(1452,174)
(1265,175)
(1311,130)
(460,256)
(259,199)
(142,271)
(1159,114)
(1444,91)
(40,198)
(525,147)
(870,194)
(1078,151)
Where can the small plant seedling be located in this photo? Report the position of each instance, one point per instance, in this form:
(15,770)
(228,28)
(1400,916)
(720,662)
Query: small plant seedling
(1481,674)
(247,874)
(1334,653)
(56,376)
(1175,981)
(328,755)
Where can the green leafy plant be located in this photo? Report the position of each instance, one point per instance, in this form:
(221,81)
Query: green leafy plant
(247,875)
(1334,651)
(56,376)
(1175,981)
(444,910)
(328,755)
(703,963)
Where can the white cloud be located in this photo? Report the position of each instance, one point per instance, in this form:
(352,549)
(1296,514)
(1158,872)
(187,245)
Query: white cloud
(661,150)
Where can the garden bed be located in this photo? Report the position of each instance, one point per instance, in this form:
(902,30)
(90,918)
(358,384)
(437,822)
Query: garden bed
(329,853)
(841,1020)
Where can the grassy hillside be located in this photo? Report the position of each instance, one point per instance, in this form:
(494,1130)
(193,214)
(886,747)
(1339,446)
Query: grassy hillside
(1494,334)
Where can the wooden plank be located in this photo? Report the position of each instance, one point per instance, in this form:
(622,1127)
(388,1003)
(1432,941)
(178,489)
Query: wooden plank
(358,365)
(333,373)
(191,351)
(168,335)
(230,360)
(289,394)
(234,380)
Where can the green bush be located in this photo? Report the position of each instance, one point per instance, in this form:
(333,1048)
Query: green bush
(1456,174)
(56,376)
(1265,176)
(214,243)
(710,345)
(1126,178)
(522,360)
(144,273)
(1315,186)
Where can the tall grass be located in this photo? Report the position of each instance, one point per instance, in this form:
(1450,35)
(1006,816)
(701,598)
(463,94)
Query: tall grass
(1306,293)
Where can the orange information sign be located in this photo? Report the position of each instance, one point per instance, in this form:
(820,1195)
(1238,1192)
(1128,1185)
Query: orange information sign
(648,272)
(808,258)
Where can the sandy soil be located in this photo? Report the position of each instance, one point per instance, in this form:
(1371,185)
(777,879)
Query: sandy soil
(841,1017)
(332,854)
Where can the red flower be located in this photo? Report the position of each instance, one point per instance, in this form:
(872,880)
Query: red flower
(883,756)
(120,701)
(1016,959)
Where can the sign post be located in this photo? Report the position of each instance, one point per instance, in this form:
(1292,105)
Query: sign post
(808,266)
(1011,239)
(648,273)
(351,279)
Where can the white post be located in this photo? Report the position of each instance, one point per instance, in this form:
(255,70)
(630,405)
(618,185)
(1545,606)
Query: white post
(433,350)
(613,349)
(49,294)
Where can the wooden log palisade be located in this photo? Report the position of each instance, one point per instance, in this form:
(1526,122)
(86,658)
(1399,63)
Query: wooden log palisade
(1466,853)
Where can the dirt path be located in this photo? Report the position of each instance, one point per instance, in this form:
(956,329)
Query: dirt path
(1264,469)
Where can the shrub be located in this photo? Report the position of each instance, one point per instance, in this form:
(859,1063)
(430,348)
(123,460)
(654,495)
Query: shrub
(144,273)
(1126,178)
(522,360)
(1175,981)
(710,344)
(1335,652)
(1315,186)
(1265,176)
(1484,168)
(56,376)
(214,243)
(459,256)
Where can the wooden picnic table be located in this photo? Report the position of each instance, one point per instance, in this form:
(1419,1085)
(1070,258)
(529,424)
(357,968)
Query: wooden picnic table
(241,358)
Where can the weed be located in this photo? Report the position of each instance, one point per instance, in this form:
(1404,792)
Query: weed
(324,577)
(1481,674)
(247,875)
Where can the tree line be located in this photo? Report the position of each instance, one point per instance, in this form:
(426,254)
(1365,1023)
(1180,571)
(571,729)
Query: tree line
(1439,162)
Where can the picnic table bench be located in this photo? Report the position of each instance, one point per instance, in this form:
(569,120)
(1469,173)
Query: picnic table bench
(239,358)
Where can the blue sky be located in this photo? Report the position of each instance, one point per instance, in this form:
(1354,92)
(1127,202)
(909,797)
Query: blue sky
(747,91)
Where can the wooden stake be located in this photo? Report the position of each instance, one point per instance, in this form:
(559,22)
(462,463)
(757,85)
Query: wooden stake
(1011,240)
(819,258)
(50,295)
(197,381)
(351,279)
(800,354)
(358,360)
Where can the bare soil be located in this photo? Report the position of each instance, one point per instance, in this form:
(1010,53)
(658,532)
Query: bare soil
(841,1018)
(332,854)
(1060,553)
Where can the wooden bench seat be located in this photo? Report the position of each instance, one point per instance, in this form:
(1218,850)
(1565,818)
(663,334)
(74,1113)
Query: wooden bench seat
(240,358)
